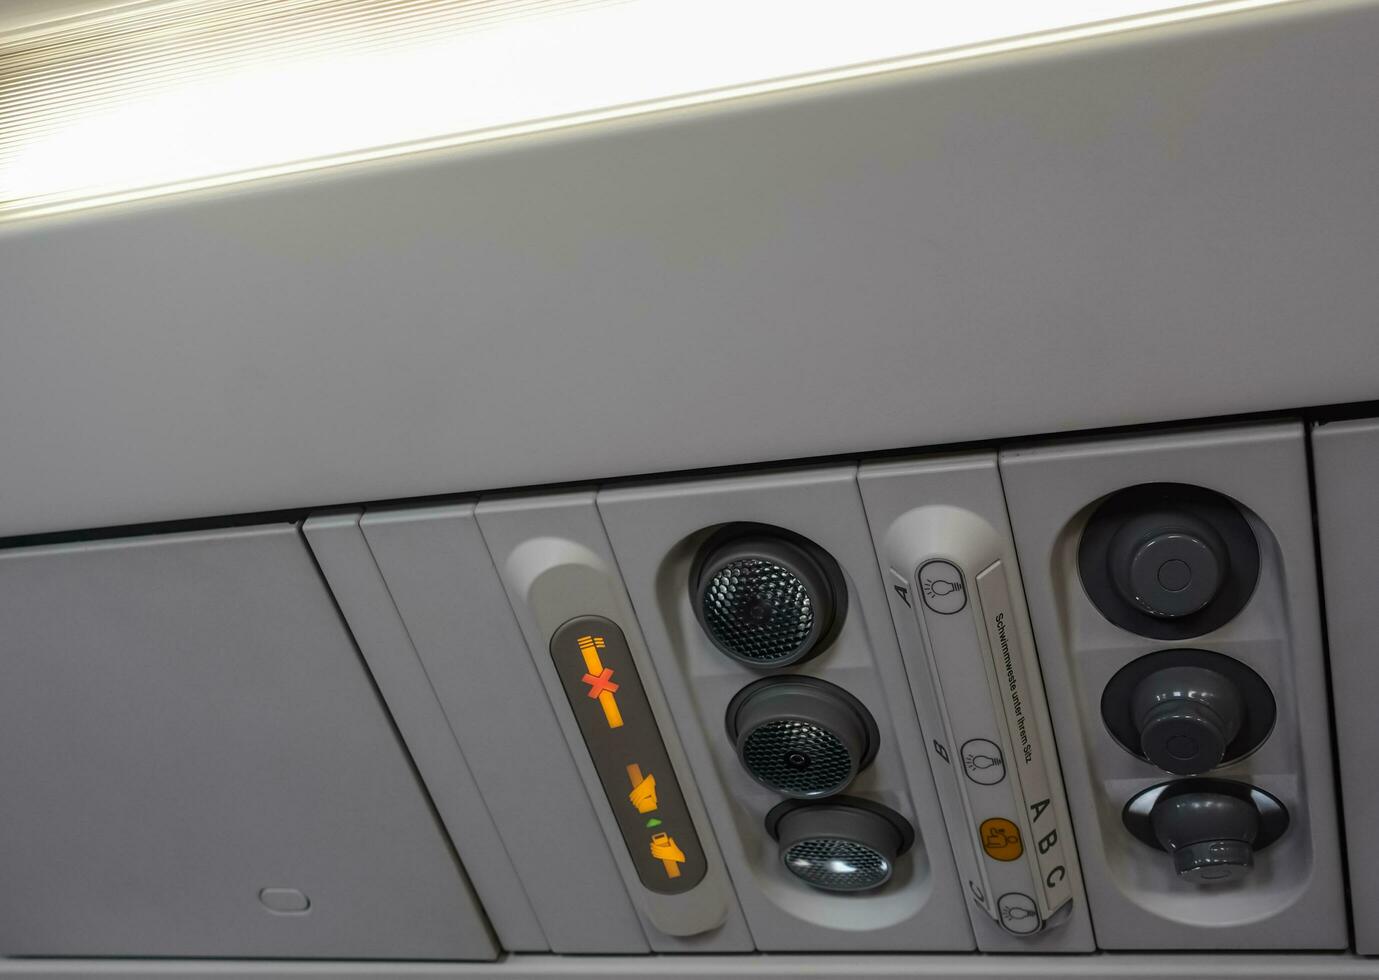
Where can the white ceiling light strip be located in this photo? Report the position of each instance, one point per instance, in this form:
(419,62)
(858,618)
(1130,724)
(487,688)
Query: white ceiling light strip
(171,96)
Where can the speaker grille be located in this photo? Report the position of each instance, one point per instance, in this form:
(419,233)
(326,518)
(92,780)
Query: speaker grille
(798,757)
(837,865)
(759,610)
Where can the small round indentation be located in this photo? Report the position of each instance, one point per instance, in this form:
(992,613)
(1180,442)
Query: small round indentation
(1183,747)
(285,901)
(1175,575)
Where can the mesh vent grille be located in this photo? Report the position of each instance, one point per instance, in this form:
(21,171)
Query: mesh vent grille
(837,865)
(797,757)
(759,610)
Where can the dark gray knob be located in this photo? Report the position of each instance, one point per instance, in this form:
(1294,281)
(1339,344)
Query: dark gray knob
(1168,563)
(1186,717)
(1210,835)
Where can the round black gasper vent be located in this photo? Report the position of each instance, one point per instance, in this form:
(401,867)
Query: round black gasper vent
(766,597)
(1212,828)
(841,844)
(1188,711)
(801,736)
(1168,560)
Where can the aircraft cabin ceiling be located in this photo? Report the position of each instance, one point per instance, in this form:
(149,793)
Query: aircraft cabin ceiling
(649,488)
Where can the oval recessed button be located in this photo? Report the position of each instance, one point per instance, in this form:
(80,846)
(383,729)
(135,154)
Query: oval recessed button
(284,901)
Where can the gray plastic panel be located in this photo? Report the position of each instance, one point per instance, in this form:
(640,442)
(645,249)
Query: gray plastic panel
(655,532)
(555,562)
(443,583)
(1155,224)
(944,520)
(1295,898)
(186,723)
(1345,460)
(344,558)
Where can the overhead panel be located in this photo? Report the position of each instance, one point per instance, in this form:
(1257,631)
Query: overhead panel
(197,764)
(1173,592)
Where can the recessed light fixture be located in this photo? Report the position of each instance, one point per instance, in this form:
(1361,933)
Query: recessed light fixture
(152,98)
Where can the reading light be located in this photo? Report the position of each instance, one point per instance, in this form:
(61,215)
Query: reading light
(152,98)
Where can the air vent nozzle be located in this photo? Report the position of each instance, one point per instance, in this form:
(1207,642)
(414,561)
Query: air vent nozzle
(801,736)
(766,597)
(840,845)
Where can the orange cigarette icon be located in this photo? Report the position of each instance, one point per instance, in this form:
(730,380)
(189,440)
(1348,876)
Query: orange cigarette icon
(600,679)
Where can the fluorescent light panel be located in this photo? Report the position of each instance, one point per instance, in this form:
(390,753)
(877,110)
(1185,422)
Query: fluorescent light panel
(177,95)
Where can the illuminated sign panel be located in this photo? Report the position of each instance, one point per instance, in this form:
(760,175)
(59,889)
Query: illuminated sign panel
(614,717)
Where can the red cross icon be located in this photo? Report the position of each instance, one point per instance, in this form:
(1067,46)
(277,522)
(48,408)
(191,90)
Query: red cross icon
(603,682)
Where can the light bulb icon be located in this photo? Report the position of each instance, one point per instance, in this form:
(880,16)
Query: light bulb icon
(983,761)
(936,587)
(941,583)
(1018,914)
